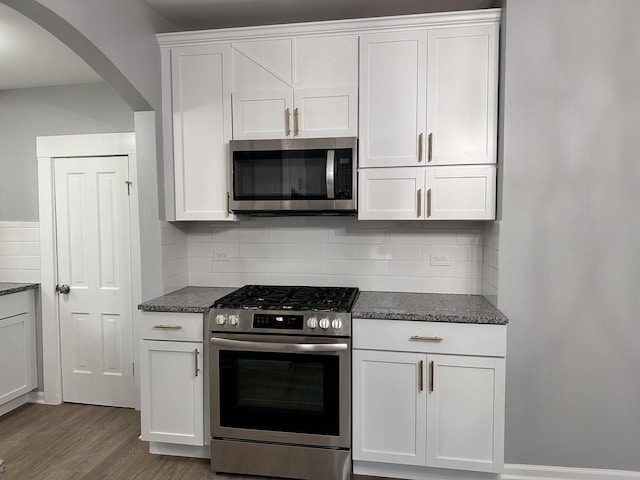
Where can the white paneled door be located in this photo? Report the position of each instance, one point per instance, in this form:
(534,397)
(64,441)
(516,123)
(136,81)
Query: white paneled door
(94,261)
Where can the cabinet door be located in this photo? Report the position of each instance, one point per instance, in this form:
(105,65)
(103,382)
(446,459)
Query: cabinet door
(462,94)
(172,392)
(17,356)
(389,399)
(201,96)
(392,98)
(461,192)
(326,112)
(465,413)
(391,193)
(263,115)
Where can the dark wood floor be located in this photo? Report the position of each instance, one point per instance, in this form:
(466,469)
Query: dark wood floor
(87,442)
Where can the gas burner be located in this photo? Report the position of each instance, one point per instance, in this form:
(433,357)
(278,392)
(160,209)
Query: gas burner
(263,297)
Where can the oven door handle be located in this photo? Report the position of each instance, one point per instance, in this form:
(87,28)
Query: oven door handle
(280,347)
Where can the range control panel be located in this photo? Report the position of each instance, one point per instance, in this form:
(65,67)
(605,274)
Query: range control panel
(286,322)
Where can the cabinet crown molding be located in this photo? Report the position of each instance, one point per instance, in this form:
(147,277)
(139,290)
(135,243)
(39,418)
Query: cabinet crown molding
(333,27)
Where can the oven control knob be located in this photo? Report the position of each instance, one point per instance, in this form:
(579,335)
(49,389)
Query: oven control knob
(312,322)
(233,320)
(336,323)
(221,319)
(324,323)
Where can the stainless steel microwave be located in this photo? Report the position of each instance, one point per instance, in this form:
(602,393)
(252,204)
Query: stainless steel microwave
(297,176)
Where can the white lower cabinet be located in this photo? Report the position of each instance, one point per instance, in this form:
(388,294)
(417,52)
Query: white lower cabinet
(172,400)
(461,192)
(18,369)
(416,412)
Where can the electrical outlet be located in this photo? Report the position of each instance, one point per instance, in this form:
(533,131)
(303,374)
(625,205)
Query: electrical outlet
(440,259)
(221,255)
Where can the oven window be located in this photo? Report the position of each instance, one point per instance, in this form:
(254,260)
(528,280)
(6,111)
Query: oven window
(279,392)
(280,175)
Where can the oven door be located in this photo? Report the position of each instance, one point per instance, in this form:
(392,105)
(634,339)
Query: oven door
(281,389)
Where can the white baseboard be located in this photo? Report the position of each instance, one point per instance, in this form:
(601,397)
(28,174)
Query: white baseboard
(36,397)
(540,472)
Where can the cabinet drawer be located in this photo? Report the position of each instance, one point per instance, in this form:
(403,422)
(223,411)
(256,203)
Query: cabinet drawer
(430,337)
(172,326)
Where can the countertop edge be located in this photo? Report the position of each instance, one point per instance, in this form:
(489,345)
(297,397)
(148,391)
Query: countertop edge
(17,287)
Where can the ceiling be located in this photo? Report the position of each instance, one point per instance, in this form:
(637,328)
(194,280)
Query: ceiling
(207,14)
(31,57)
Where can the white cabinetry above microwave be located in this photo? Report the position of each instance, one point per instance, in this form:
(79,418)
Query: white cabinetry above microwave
(295,87)
(418,90)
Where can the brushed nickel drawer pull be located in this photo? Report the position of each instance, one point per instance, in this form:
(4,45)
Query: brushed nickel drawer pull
(432,372)
(419,209)
(430,147)
(428,203)
(426,339)
(167,327)
(420,146)
(196,353)
(421,375)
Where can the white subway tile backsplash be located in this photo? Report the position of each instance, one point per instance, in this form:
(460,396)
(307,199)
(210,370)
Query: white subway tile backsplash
(337,251)
(20,252)
(357,267)
(11,248)
(333,251)
(389,252)
(241,235)
(268,250)
(298,235)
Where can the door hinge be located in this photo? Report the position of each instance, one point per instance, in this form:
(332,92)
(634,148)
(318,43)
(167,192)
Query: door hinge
(129,183)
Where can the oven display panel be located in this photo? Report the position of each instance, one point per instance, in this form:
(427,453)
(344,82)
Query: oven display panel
(285,322)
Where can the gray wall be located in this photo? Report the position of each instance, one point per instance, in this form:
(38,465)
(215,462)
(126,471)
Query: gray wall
(570,233)
(26,113)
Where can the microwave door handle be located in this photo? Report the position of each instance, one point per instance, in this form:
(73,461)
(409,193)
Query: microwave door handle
(331,158)
(279,347)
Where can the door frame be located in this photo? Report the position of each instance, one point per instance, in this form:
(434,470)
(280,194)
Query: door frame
(49,148)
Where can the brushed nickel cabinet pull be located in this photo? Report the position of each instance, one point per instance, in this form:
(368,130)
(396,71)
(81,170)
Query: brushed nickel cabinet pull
(287,121)
(196,353)
(167,327)
(419,203)
(430,147)
(432,374)
(228,204)
(420,146)
(428,203)
(421,375)
(425,339)
(296,122)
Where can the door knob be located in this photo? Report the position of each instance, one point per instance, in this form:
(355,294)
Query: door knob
(65,289)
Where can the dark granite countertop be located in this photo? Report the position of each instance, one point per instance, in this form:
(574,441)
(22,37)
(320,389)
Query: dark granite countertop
(7,288)
(187,300)
(427,307)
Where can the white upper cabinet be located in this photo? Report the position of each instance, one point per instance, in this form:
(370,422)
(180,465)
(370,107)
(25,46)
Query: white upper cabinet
(429,96)
(200,120)
(462,75)
(459,192)
(295,87)
(392,98)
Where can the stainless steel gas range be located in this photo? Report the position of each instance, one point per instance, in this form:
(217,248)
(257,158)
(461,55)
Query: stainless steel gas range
(280,371)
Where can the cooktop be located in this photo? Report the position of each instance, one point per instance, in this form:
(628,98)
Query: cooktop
(278,297)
